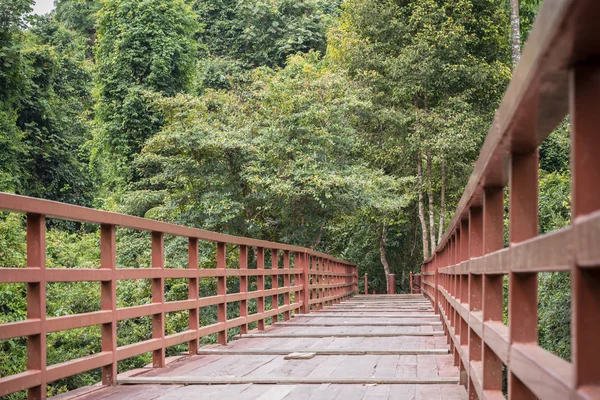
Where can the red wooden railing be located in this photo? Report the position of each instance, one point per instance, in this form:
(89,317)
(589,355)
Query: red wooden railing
(415,283)
(315,279)
(559,73)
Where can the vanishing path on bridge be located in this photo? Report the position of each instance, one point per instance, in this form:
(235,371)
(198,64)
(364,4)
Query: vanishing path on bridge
(368,347)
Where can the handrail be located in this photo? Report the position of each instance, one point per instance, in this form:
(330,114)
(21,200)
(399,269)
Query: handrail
(70,212)
(558,73)
(315,279)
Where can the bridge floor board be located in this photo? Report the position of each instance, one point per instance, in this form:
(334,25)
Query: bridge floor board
(385,375)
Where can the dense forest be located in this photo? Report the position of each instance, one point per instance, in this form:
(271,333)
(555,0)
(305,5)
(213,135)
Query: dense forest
(350,127)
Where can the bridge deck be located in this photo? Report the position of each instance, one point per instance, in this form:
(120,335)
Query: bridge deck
(368,347)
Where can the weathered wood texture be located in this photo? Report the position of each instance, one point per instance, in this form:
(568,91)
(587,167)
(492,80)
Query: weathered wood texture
(559,74)
(357,366)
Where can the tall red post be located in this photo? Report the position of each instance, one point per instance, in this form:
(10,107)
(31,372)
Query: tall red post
(36,301)
(193,294)
(158,297)
(108,295)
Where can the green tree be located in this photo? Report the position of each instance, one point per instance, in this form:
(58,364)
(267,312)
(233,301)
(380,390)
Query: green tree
(14,73)
(241,35)
(278,159)
(80,16)
(54,114)
(142,47)
(437,70)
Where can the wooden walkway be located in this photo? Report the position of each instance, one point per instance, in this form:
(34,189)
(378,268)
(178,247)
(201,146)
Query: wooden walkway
(369,347)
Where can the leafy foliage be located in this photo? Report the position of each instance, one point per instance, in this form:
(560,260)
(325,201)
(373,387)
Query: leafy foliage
(142,47)
(263,32)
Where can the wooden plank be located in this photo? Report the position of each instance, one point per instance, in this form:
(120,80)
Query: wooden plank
(319,352)
(322,335)
(227,380)
(332,315)
(368,310)
(299,356)
(196,393)
(437,323)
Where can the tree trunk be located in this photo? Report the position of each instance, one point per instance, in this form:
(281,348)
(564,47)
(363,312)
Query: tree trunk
(382,253)
(319,236)
(515,32)
(422,206)
(431,209)
(442,203)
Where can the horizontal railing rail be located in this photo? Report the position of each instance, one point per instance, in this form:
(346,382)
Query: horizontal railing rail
(558,74)
(310,280)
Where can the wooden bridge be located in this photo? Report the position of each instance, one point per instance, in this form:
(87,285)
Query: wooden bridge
(449,342)
(375,347)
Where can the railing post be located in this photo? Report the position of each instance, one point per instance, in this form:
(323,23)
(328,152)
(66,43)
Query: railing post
(366,283)
(493,300)
(475,288)
(222,291)
(274,282)
(464,296)
(158,296)
(305,295)
(523,287)
(410,280)
(391,281)
(354,271)
(316,268)
(585,164)
(244,287)
(36,301)
(286,283)
(260,286)
(193,294)
(436,290)
(108,295)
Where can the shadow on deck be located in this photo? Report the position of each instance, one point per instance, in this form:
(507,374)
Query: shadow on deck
(368,347)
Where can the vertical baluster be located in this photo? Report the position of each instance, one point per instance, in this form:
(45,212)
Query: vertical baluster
(475,287)
(286,283)
(314,280)
(36,301)
(244,287)
(585,279)
(158,297)
(193,294)
(260,285)
(274,282)
(108,295)
(456,290)
(493,300)
(522,292)
(222,291)
(464,296)
(305,266)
